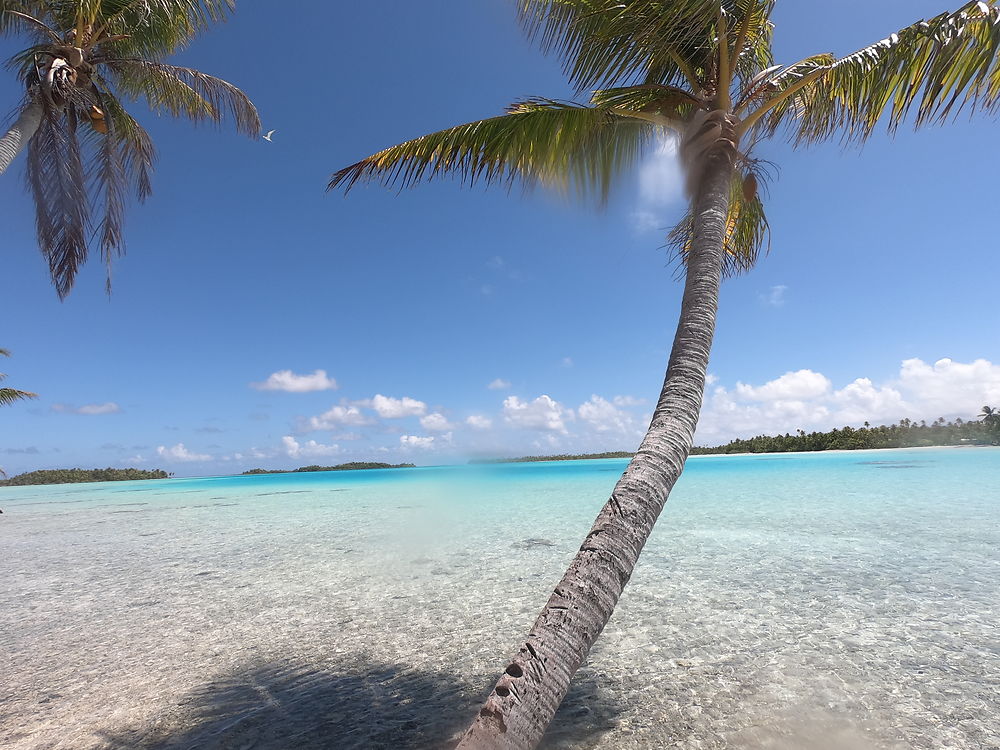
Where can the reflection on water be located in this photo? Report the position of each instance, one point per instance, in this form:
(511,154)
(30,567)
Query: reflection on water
(808,603)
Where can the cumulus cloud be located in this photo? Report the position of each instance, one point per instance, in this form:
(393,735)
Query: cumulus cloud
(661,184)
(602,416)
(479,422)
(807,400)
(628,401)
(180,453)
(499,385)
(335,417)
(396,408)
(416,442)
(541,414)
(88,410)
(774,297)
(309,449)
(803,384)
(436,422)
(288,381)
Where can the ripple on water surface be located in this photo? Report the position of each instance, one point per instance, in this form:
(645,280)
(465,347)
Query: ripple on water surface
(812,601)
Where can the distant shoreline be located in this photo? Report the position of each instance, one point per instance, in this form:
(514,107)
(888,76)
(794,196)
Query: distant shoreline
(350,466)
(565,457)
(82,476)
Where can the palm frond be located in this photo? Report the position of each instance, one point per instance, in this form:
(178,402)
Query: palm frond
(557,143)
(185,92)
(140,28)
(673,103)
(39,27)
(926,73)
(11,22)
(10,395)
(608,43)
(107,182)
(137,149)
(748,233)
(604,43)
(755,53)
(56,177)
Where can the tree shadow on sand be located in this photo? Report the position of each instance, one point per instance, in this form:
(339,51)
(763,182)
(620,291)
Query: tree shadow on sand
(349,704)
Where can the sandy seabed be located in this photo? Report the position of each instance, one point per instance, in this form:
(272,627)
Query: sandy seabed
(212,616)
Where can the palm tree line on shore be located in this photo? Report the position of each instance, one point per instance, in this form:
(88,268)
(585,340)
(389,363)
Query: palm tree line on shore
(700,71)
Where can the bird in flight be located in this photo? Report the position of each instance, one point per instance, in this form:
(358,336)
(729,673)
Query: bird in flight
(267,136)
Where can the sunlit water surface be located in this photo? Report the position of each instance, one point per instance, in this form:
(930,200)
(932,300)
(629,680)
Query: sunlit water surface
(840,600)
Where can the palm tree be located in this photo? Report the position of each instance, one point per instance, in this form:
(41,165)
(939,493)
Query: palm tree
(990,417)
(701,71)
(85,151)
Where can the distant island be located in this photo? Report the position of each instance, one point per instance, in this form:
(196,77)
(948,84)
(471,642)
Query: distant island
(352,466)
(74,476)
(904,434)
(563,457)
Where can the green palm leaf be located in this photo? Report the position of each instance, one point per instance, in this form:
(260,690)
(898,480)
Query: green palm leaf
(926,73)
(184,92)
(748,233)
(557,143)
(606,43)
(10,395)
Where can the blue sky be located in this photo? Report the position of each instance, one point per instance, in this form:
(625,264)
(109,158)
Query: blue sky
(876,302)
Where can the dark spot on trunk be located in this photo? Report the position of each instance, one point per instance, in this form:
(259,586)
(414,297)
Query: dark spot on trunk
(515,671)
(491,715)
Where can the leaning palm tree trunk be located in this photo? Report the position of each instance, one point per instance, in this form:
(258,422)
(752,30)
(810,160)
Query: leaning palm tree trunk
(525,699)
(14,141)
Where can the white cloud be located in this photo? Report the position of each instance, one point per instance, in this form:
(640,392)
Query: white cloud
(541,414)
(499,385)
(711,379)
(180,453)
(479,422)
(661,184)
(88,410)
(566,362)
(310,449)
(775,296)
(414,441)
(136,460)
(807,400)
(603,416)
(336,416)
(396,408)
(288,381)
(802,384)
(436,422)
(951,388)
(628,401)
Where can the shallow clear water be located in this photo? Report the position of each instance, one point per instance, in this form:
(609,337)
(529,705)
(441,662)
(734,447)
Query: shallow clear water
(838,600)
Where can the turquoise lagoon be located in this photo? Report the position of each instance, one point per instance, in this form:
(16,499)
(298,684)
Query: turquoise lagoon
(837,600)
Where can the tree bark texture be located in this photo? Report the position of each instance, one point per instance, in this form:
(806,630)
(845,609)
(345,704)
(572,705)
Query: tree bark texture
(527,695)
(22,131)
